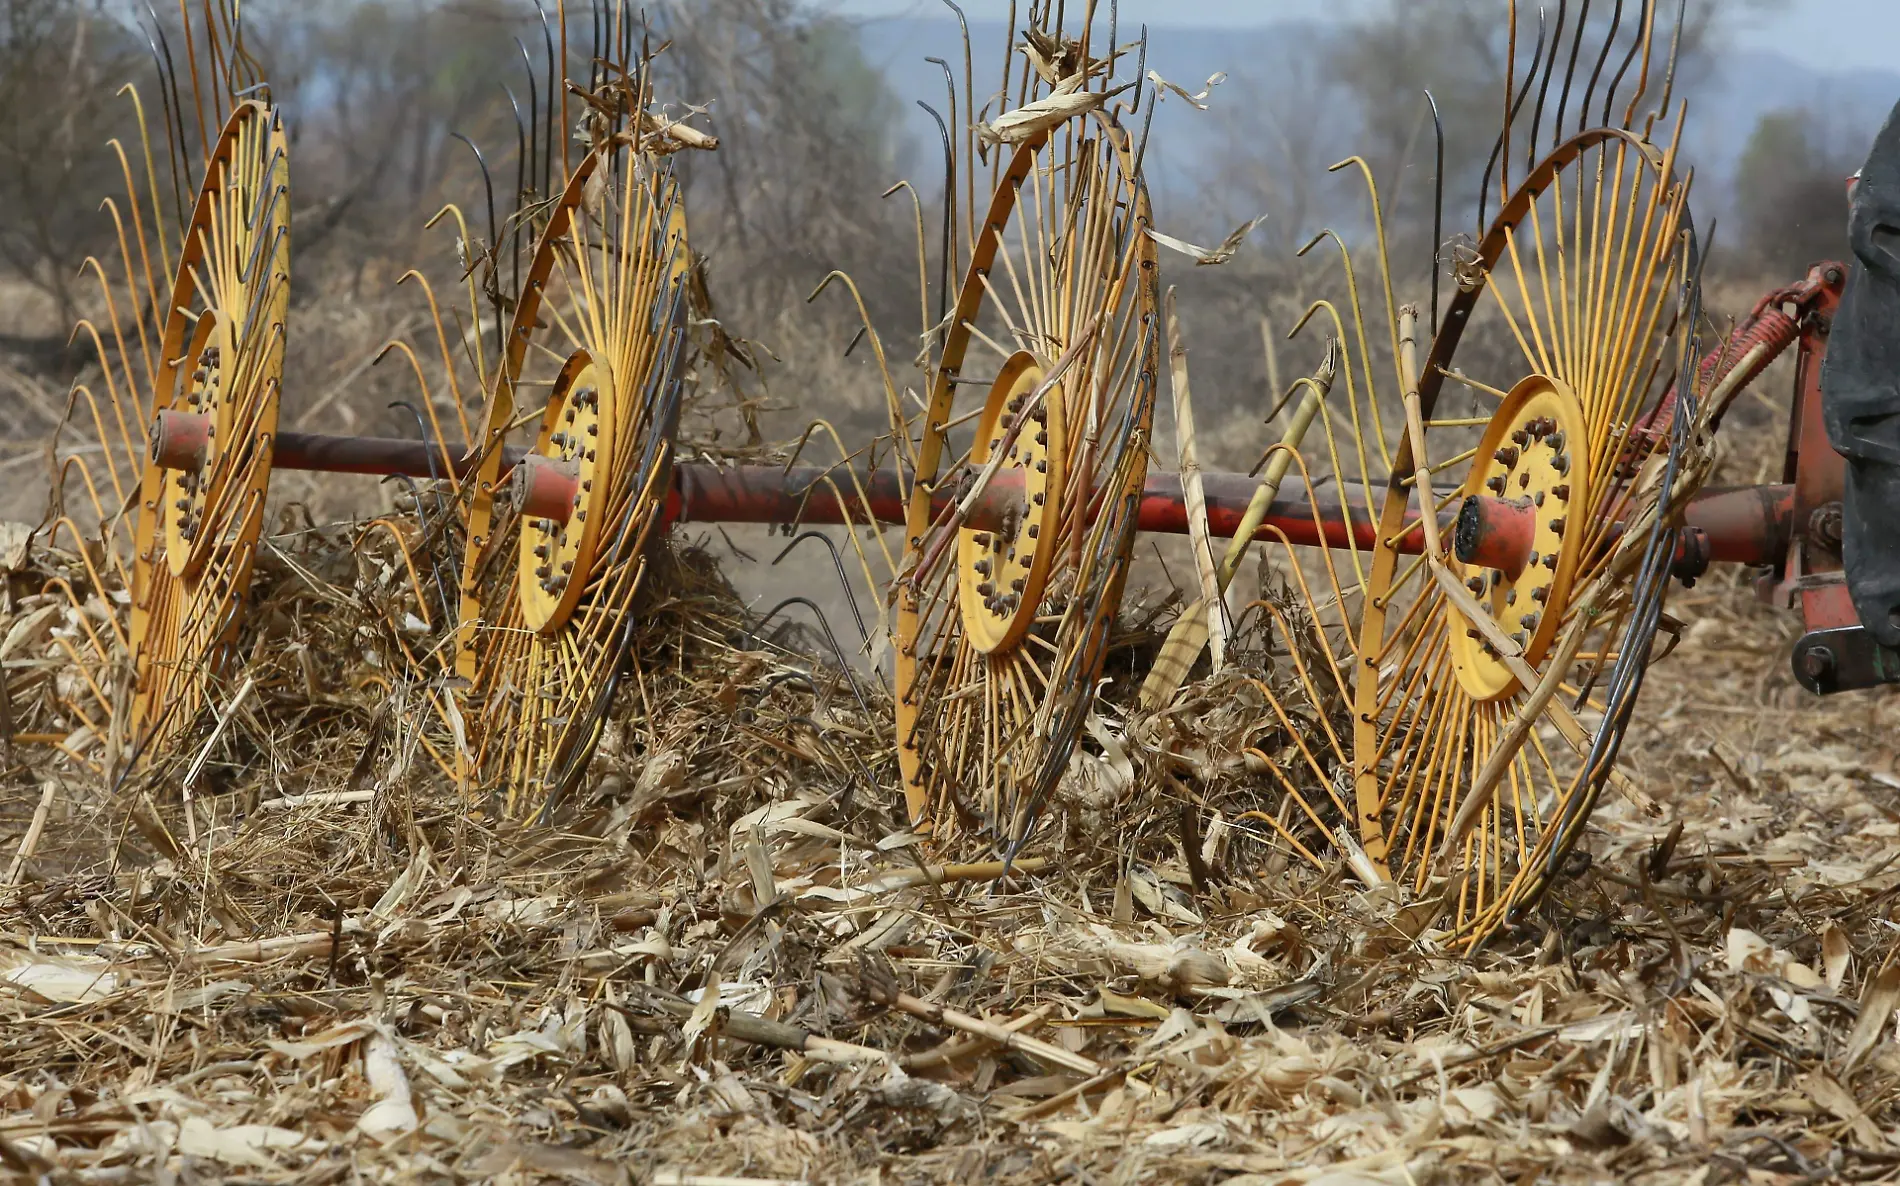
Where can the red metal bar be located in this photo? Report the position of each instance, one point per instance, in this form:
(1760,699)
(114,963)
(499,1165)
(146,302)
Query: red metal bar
(769,494)
(1749,525)
(378,456)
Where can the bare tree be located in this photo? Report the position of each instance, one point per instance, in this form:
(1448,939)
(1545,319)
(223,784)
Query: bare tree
(61,63)
(1790,194)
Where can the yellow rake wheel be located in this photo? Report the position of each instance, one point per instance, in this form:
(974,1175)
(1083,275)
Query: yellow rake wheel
(1481,717)
(1510,571)
(163,457)
(207,469)
(557,553)
(1045,382)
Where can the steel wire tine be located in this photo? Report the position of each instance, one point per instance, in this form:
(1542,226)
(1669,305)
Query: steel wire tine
(949,184)
(435,489)
(831,640)
(1510,112)
(1500,151)
(1141,73)
(528,165)
(524,166)
(1543,88)
(923,260)
(1626,675)
(594,53)
(488,185)
(1637,44)
(548,83)
(969,123)
(967,163)
(1570,77)
(175,154)
(1596,73)
(429,527)
(1147,119)
(1438,208)
(521,155)
(1675,49)
(844,580)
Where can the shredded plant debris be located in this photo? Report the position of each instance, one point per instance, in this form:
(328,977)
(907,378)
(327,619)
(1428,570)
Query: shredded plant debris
(293,955)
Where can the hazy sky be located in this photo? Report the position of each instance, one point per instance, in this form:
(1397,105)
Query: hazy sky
(1843,34)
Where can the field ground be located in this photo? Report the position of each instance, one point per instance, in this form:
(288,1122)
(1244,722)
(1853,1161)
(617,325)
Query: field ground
(729,964)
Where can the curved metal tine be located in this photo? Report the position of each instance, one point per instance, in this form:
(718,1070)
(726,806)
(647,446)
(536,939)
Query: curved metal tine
(435,569)
(1009,56)
(1629,58)
(1074,714)
(1626,676)
(831,640)
(949,215)
(844,664)
(966,161)
(1596,73)
(844,580)
(1570,76)
(595,46)
(1543,89)
(969,123)
(174,143)
(1510,112)
(435,489)
(1438,207)
(521,182)
(1499,150)
(488,184)
(1147,120)
(1675,50)
(527,165)
(551,80)
(1141,72)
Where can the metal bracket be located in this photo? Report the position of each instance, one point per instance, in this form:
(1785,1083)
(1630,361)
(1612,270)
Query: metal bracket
(1844,659)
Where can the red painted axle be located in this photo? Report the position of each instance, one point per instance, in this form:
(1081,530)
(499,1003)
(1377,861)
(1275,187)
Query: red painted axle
(1749,525)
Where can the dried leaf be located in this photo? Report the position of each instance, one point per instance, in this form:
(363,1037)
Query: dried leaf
(1033,119)
(1828,1092)
(392,1114)
(1163,86)
(242,1144)
(1836,956)
(1209,256)
(59,981)
(1877,1003)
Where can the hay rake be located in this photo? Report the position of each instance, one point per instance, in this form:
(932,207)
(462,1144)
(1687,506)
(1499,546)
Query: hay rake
(1453,672)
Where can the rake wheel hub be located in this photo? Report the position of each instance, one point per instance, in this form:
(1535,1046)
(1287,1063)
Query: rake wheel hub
(1003,571)
(186,445)
(1516,545)
(561,498)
